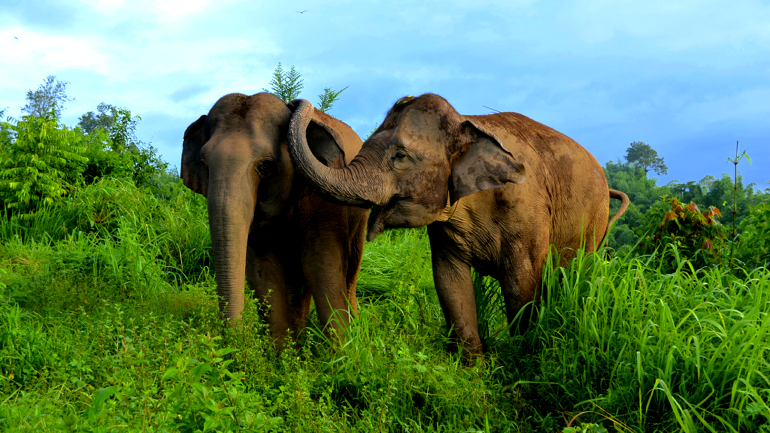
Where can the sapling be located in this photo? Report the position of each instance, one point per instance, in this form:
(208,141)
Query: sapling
(734,233)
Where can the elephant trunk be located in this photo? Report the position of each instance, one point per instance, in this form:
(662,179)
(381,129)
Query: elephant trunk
(349,185)
(230,216)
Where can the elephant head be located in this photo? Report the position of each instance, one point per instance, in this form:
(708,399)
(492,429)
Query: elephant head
(236,156)
(423,156)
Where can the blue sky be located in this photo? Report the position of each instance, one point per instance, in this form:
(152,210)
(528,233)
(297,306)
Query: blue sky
(687,77)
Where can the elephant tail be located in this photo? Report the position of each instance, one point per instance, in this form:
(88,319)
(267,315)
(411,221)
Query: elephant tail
(624,202)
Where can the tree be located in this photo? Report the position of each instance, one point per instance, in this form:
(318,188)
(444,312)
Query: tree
(288,85)
(643,193)
(5,131)
(645,157)
(51,95)
(90,121)
(123,135)
(114,150)
(41,161)
(119,153)
(285,85)
(328,97)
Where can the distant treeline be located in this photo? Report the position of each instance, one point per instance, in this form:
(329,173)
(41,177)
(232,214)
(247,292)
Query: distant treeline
(644,191)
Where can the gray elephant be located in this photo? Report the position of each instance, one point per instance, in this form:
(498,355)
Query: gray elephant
(495,191)
(265,223)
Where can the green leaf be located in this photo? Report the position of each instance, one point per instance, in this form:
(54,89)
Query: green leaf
(101,395)
(201,369)
(225,351)
(171,373)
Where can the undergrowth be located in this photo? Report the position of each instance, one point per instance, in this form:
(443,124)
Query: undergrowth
(108,322)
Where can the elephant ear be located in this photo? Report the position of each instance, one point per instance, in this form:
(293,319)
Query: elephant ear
(481,163)
(331,141)
(194,172)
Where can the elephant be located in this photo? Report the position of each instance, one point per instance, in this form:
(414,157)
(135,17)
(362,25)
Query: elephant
(266,224)
(495,191)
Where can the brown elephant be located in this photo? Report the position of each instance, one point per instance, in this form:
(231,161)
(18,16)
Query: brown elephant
(265,223)
(464,177)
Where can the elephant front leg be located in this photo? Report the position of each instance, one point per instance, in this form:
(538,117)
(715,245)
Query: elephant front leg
(266,276)
(454,287)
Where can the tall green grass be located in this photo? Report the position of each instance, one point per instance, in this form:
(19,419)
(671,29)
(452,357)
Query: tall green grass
(395,257)
(108,322)
(686,351)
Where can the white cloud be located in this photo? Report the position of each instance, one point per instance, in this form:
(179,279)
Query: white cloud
(48,51)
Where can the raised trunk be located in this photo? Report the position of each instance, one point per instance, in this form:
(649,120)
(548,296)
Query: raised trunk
(230,214)
(350,185)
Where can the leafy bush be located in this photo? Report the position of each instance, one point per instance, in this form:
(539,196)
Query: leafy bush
(696,234)
(102,160)
(206,396)
(41,161)
(143,160)
(754,240)
(119,153)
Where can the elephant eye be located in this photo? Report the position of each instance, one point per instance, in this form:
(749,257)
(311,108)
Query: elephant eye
(267,167)
(399,155)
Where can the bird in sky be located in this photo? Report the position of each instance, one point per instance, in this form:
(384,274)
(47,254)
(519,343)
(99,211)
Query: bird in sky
(16,38)
(302,12)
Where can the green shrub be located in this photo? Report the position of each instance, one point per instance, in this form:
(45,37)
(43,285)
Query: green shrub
(120,153)
(754,238)
(102,160)
(41,162)
(694,234)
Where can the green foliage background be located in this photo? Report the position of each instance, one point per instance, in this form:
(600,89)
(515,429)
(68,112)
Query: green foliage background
(644,192)
(43,161)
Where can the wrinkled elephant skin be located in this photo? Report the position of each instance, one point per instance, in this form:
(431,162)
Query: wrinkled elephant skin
(495,191)
(266,224)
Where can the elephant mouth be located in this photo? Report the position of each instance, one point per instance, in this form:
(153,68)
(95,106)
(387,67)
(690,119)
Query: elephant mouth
(377,217)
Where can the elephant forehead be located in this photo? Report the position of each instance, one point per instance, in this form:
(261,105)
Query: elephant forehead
(419,127)
(262,111)
(238,145)
(417,121)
